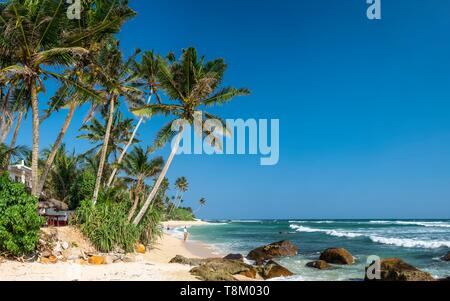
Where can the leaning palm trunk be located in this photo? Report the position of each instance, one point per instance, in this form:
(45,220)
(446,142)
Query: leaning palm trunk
(14,137)
(104,151)
(137,198)
(124,151)
(161,177)
(35,148)
(5,127)
(56,146)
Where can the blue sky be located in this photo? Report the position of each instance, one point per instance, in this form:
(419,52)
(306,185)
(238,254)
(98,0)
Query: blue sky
(363,105)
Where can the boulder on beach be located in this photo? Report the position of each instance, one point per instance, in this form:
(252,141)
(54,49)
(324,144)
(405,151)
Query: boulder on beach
(394,269)
(337,256)
(97,260)
(446,257)
(273,270)
(274,250)
(186,261)
(218,269)
(239,257)
(318,264)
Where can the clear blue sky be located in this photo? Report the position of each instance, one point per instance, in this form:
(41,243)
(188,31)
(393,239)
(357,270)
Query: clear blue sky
(364,106)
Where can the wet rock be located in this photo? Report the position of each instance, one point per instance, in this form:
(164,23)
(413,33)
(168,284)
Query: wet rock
(446,257)
(394,269)
(218,269)
(274,270)
(337,256)
(319,264)
(186,261)
(274,250)
(239,257)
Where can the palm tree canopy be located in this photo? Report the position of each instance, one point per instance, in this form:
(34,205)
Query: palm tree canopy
(138,165)
(194,85)
(182,184)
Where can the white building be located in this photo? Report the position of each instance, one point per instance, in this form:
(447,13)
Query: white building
(20,173)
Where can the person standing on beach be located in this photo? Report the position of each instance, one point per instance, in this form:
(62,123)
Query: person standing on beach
(186,233)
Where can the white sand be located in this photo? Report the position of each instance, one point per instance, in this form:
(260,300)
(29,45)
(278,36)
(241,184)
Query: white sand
(152,266)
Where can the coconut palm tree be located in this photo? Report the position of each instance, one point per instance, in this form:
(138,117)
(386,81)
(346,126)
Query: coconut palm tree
(146,72)
(201,203)
(63,173)
(193,84)
(116,80)
(32,33)
(139,168)
(95,132)
(99,20)
(181,186)
(7,153)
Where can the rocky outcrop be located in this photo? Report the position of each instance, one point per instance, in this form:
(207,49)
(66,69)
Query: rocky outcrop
(239,257)
(273,270)
(218,269)
(274,250)
(187,261)
(318,264)
(394,269)
(337,256)
(446,257)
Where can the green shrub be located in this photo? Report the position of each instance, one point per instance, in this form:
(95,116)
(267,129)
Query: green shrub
(181,214)
(19,220)
(107,227)
(150,227)
(82,188)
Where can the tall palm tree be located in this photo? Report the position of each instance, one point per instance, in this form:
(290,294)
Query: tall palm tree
(33,32)
(193,84)
(99,20)
(181,186)
(201,203)
(146,72)
(114,76)
(139,168)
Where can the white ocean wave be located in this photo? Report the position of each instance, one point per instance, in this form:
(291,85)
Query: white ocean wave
(400,242)
(410,243)
(412,223)
(336,233)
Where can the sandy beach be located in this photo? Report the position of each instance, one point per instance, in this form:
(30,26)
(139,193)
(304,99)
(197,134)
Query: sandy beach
(152,266)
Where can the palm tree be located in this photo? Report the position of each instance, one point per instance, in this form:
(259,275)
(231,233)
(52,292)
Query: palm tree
(95,132)
(193,84)
(33,32)
(146,71)
(99,20)
(181,186)
(63,173)
(6,153)
(202,203)
(139,168)
(114,76)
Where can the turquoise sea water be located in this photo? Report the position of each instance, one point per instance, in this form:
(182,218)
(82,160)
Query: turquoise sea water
(418,242)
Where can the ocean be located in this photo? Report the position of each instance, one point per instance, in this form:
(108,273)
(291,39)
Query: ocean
(419,242)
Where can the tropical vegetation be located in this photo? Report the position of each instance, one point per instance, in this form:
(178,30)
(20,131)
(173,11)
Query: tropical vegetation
(118,187)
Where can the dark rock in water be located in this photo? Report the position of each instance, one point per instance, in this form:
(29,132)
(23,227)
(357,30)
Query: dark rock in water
(217,269)
(275,250)
(273,270)
(239,257)
(319,264)
(337,256)
(445,279)
(446,257)
(394,269)
(186,261)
